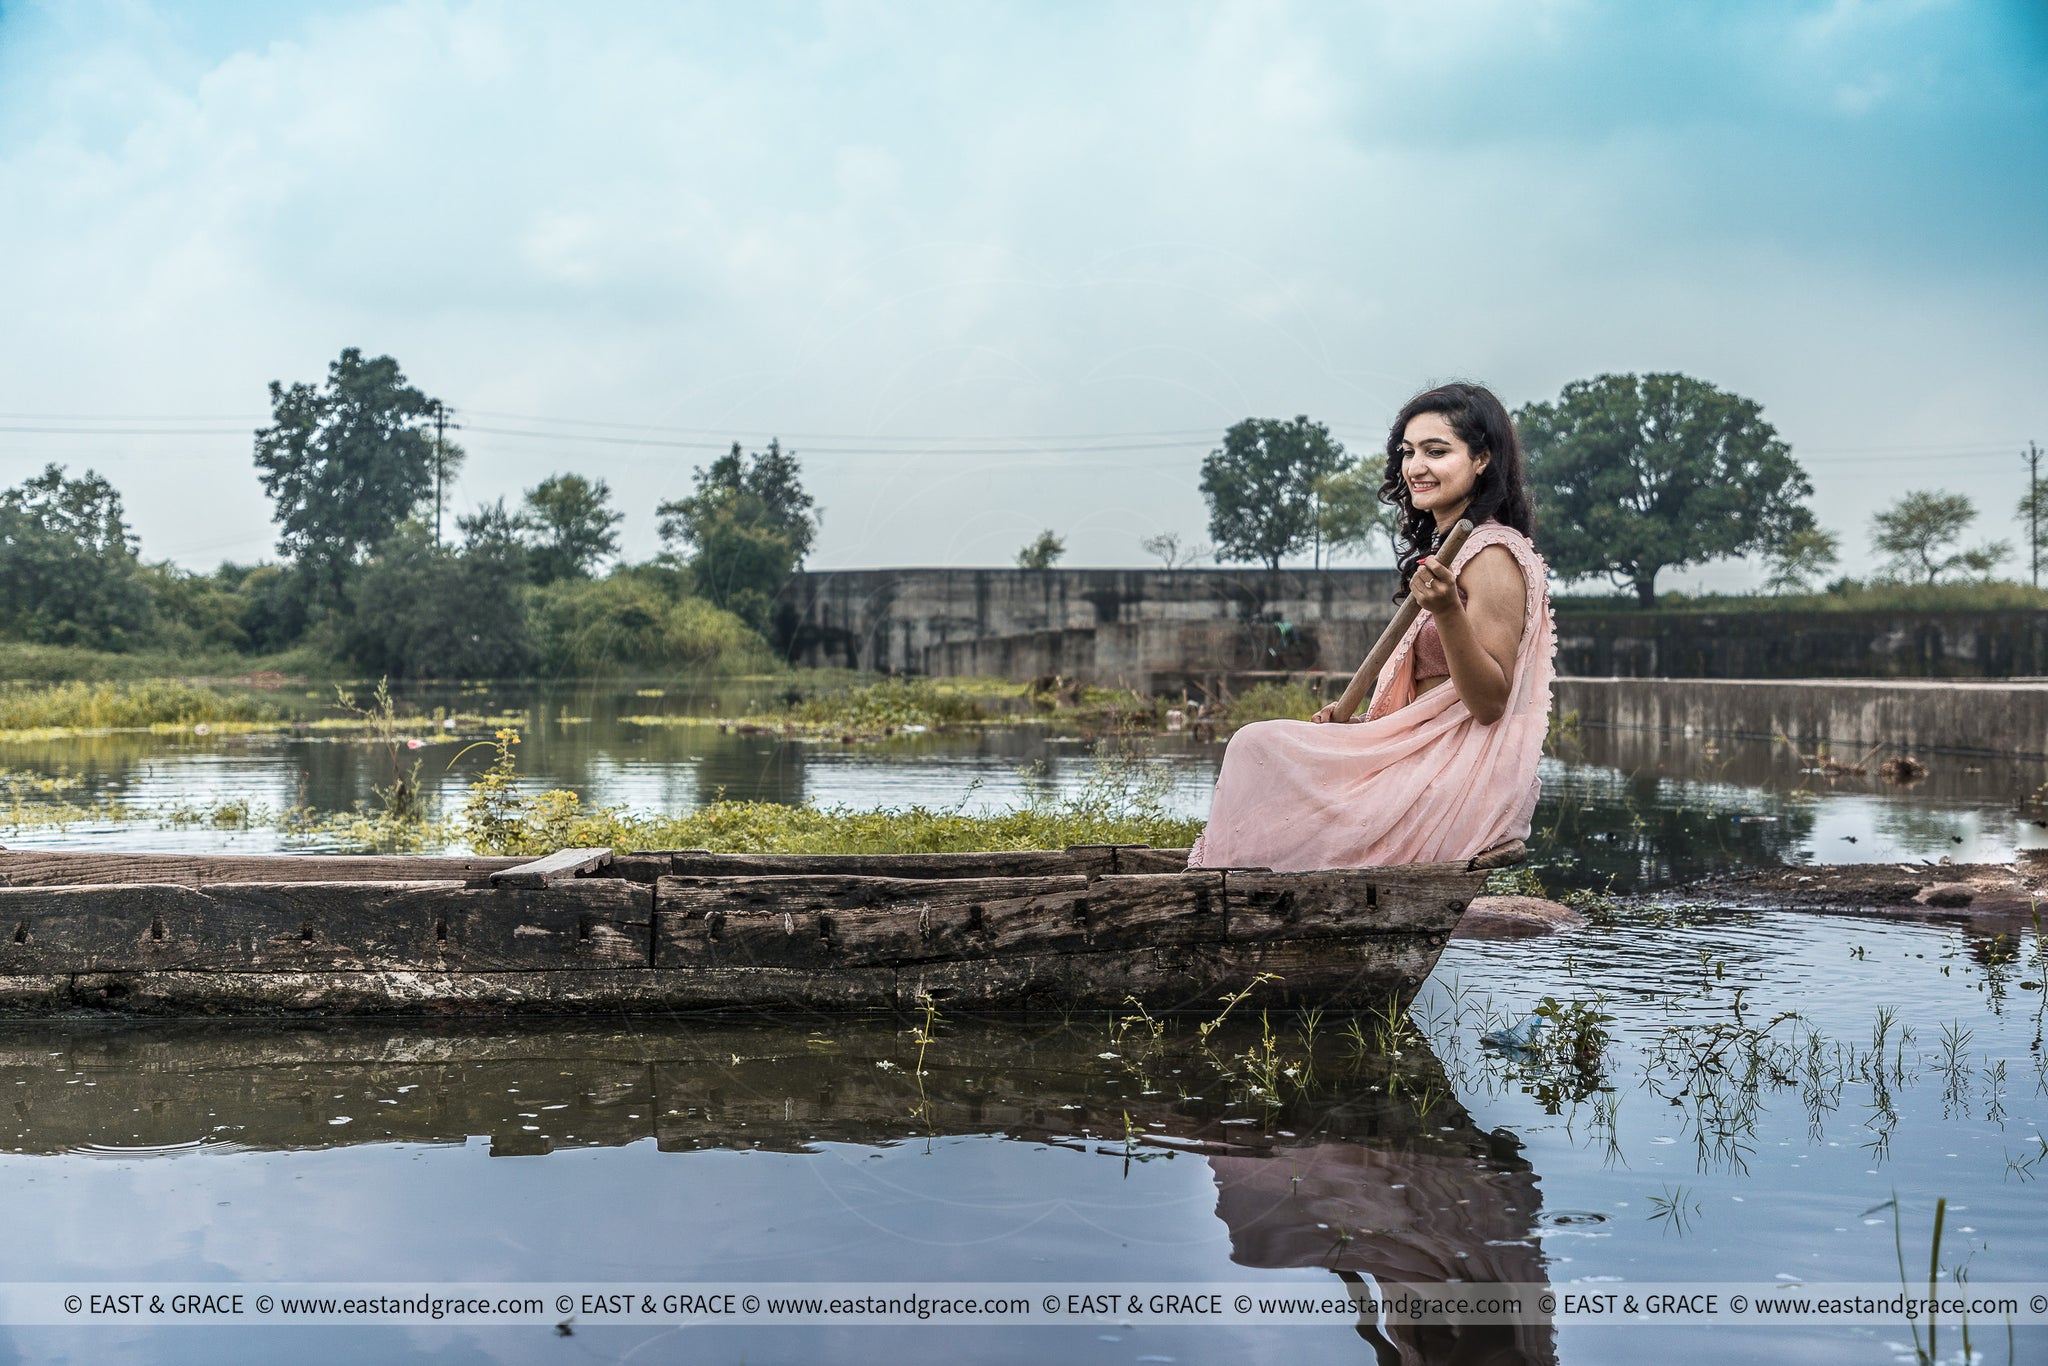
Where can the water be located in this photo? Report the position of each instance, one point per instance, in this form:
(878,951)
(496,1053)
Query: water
(804,1149)
(1624,809)
(670,1150)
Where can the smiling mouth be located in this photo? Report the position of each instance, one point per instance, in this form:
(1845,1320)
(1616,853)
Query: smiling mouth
(1423,487)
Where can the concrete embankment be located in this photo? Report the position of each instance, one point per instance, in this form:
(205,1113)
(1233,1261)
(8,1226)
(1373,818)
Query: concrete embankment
(1981,717)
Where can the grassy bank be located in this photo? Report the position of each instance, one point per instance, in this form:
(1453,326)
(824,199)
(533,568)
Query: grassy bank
(893,706)
(1850,597)
(1122,802)
(558,820)
(24,662)
(124,705)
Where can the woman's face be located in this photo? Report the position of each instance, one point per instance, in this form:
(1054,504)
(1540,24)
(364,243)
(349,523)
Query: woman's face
(1438,466)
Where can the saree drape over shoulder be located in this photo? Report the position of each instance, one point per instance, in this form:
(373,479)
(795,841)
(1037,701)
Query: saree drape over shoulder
(1420,779)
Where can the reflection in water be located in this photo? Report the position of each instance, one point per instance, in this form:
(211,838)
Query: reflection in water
(1398,1217)
(1365,1173)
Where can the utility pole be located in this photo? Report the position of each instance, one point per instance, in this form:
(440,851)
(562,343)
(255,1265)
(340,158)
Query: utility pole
(440,433)
(2035,494)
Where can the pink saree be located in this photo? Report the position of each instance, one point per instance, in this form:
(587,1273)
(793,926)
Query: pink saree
(1417,781)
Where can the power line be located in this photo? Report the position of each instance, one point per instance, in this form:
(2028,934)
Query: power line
(725,433)
(902,446)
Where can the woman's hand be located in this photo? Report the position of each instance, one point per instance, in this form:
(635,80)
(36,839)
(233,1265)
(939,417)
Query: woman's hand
(1483,635)
(1335,712)
(1435,587)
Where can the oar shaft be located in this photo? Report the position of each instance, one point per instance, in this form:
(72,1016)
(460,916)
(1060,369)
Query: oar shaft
(1404,617)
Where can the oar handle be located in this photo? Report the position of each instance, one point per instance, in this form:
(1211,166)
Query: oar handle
(1404,617)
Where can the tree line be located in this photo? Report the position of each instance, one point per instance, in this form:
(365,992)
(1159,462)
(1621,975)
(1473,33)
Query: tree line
(351,467)
(1633,475)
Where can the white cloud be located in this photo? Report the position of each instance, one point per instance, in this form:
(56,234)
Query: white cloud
(921,222)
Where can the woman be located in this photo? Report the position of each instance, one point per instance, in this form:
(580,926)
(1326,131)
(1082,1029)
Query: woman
(1443,765)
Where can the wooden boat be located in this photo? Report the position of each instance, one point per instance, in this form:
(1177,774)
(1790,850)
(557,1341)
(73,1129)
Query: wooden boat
(655,931)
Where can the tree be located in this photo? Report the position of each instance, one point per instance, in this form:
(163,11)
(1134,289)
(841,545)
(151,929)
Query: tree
(1635,474)
(1261,487)
(196,611)
(1799,561)
(569,527)
(1350,516)
(345,464)
(68,571)
(744,531)
(1042,553)
(1171,552)
(421,610)
(1917,535)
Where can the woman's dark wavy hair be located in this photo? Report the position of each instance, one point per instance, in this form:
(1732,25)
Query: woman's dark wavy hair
(1502,493)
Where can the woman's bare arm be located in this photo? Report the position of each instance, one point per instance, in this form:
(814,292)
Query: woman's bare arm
(1482,634)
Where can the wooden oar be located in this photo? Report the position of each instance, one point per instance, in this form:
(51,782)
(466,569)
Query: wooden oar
(1404,617)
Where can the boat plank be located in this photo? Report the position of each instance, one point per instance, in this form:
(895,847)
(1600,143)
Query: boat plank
(256,927)
(52,868)
(560,866)
(1191,978)
(1422,897)
(1143,858)
(828,921)
(1187,977)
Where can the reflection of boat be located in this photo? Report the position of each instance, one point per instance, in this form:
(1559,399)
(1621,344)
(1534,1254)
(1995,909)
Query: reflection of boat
(1391,1181)
(584,930)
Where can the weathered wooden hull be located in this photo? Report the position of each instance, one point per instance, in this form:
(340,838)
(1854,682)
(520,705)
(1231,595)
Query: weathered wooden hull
(587,931)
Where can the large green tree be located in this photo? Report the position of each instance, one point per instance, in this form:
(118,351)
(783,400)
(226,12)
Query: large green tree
(744,530)
(1919,535)
(345,464)
(1636,474)
(569,527)
(68,571)
(1261,487)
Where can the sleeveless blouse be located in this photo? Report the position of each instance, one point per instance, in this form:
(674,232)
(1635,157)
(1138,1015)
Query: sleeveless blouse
(1430,659)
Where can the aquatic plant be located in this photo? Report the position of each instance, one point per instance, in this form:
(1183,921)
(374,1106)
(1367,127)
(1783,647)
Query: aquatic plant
(1675,1208)
(124,705)
(494,814)
(401,797)
(1231,1002)
(1518,881)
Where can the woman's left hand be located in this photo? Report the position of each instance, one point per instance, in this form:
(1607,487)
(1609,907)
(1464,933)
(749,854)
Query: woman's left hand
(1435,587)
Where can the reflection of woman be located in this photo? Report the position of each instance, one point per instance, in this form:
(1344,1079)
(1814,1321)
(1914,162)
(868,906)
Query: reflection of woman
(1407,1219)
(1432,771)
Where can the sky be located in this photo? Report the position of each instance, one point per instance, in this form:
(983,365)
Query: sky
(994,269)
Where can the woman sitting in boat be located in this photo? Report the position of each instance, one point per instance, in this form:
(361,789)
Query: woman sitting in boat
(1443,763)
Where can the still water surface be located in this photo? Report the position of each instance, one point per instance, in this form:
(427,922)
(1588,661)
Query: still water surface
(678,1150)
(1625,808)
(803,1150)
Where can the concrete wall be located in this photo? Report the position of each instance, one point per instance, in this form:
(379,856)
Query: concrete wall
(1994,644)
(1108,624)
(1845,714)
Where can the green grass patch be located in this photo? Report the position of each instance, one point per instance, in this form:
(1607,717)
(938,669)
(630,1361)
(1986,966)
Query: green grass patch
(558,820)
(1291,701)
(85,705)
(1122,802)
